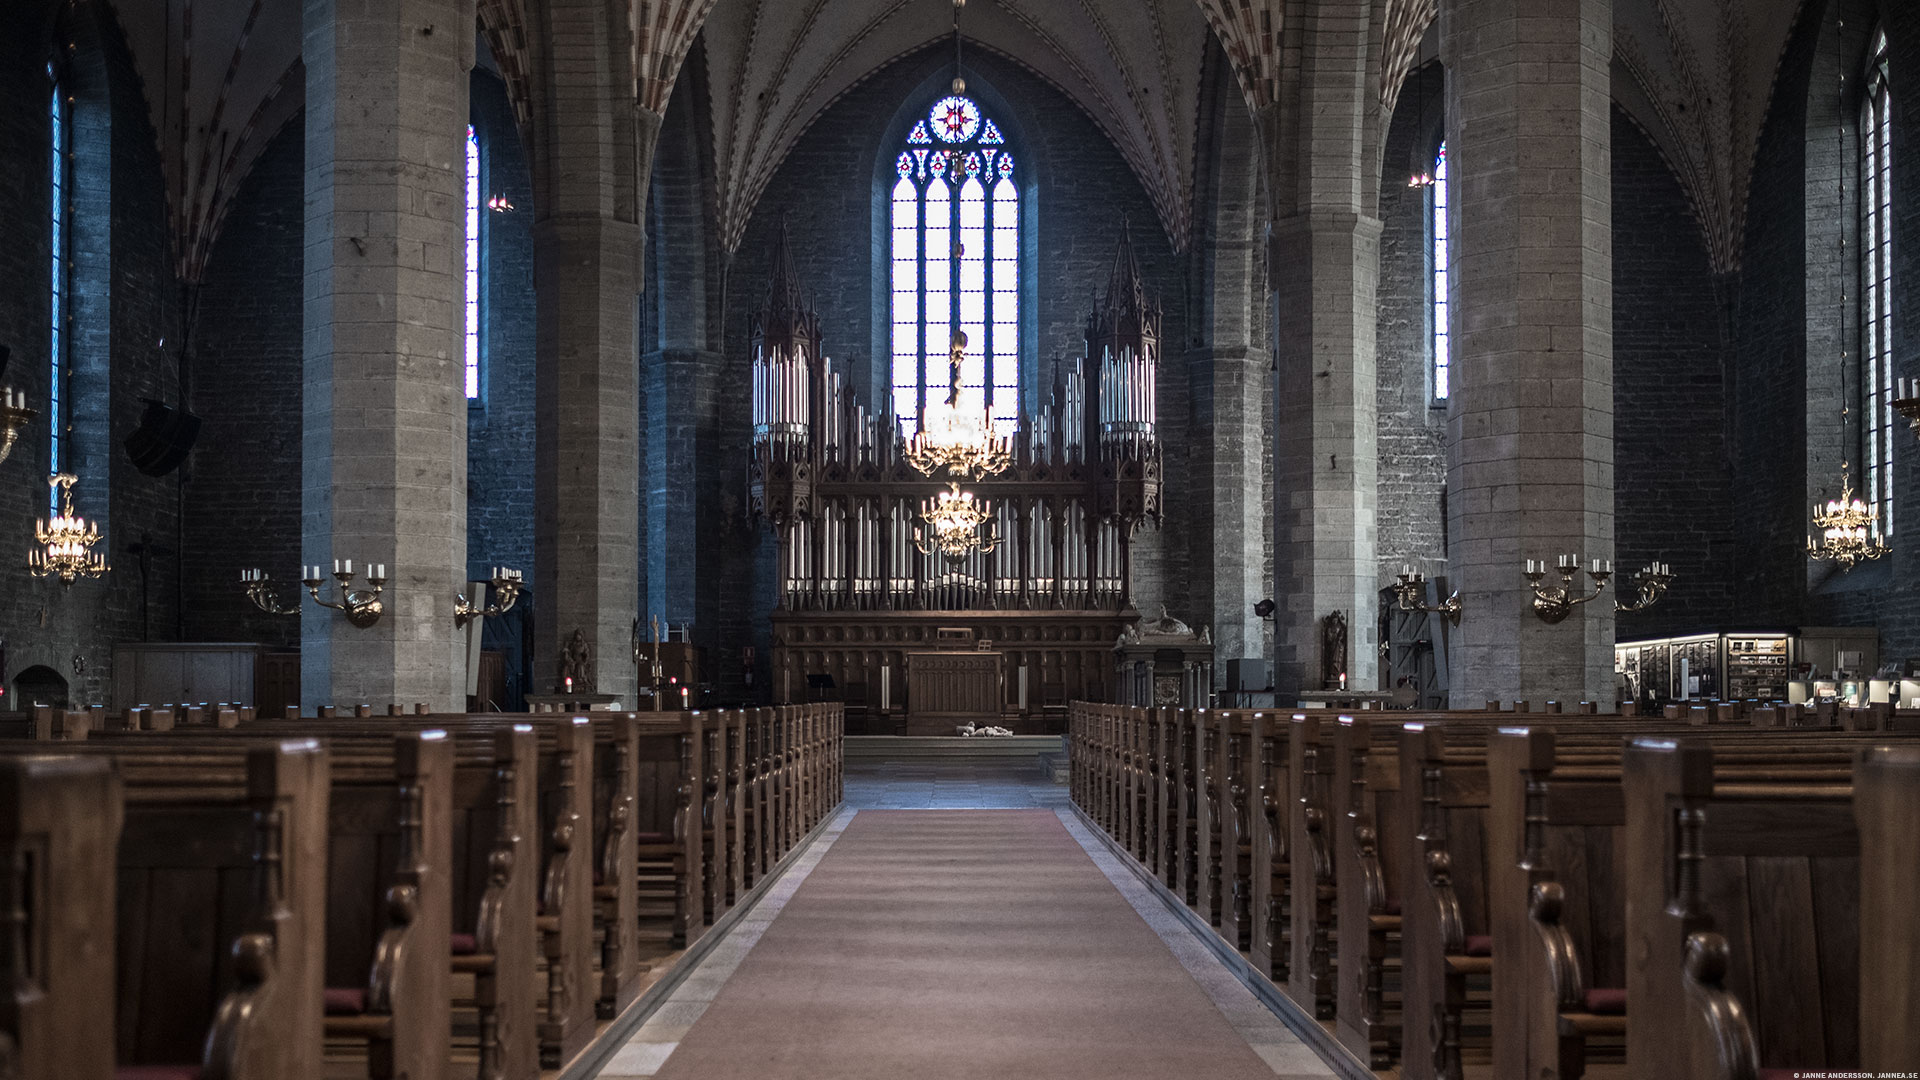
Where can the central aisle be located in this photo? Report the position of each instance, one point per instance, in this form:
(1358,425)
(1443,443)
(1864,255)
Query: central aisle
(962,943)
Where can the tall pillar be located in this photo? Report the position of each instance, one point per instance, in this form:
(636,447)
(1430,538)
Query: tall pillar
(384,467)
(588,253)
(1323,260)
(1530,419)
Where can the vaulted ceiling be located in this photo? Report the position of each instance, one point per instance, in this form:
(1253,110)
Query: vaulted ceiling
(221,76)
(1132,65)
(1698,76)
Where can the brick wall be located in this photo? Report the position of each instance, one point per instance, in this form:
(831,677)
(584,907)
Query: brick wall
(1672,498)
(500,426)
(246,468)
(119,220)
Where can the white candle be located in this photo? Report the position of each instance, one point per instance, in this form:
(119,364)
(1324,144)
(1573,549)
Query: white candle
(349,570)
(336,566)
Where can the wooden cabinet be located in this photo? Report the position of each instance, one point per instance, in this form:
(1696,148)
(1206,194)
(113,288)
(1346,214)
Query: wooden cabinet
(172,673)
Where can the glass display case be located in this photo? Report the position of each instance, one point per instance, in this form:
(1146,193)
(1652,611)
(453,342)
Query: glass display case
(1727,666)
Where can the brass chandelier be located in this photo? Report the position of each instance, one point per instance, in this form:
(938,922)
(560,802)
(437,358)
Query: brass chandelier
(957,441)
(954,523)
(66,540)
(1849,528)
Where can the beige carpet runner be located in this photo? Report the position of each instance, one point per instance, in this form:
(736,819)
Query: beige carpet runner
(974,943)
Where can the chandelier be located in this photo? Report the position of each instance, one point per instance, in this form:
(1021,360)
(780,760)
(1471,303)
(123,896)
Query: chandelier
(1849,528)
(956,440)
(66,540)
(954,523)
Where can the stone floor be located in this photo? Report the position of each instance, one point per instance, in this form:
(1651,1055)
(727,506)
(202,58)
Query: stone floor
(951,785)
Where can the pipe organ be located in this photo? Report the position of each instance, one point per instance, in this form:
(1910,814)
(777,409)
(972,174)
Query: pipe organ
(856,593)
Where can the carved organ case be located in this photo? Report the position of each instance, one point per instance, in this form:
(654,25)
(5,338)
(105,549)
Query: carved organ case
(1050,588)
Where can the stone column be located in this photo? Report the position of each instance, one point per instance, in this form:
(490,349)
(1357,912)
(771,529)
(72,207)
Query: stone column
(384,468)
(1323,259)
(1530,421)
(588,253)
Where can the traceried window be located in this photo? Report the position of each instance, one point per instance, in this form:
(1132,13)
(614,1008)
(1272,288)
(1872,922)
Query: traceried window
(956,265)
(472,275)
(1876,275)
(57,421)
(1442,336)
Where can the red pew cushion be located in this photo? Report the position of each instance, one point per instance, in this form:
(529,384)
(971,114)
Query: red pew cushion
(1607,1001)
(344,1000)
(1479,944)
(462,944)
(156,1072)
(654,838)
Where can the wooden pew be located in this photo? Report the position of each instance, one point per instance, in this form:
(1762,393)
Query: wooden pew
(1761,947)
(390,904)
(60,823)
(217,883)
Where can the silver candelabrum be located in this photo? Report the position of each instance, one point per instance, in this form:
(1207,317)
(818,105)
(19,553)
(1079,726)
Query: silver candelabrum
(507,584)
(1555,602)
(1649,586)
(1412,592)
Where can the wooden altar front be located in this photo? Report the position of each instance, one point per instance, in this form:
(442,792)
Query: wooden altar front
(1045,659)
(948,688)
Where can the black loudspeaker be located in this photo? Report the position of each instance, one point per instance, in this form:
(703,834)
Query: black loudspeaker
(161,442)
(5,355)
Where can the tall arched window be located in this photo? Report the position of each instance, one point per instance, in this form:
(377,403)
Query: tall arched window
(472,275)
(1876,275)
(1437,298)
(956,265)
(59,424)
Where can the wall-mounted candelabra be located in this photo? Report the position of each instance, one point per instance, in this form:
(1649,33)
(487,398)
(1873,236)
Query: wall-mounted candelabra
(1412,592)
(506,588)
(260,590)
(1555,602)
(362,608)
(14,418)
(1649,586)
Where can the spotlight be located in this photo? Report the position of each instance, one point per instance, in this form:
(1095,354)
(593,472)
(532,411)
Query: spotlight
(1264,609)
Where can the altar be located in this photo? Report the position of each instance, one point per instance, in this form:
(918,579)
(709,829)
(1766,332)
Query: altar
(948,688)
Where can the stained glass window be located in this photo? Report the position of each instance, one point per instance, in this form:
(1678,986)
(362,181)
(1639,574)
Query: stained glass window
(955,261)
(56,343)
(1442,330)
(1876,273)
(473,265)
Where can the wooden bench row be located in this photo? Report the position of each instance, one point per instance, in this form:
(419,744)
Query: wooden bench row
(1373,869)
(255,900)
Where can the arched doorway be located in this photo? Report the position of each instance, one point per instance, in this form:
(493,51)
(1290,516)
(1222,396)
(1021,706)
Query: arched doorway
(39,685)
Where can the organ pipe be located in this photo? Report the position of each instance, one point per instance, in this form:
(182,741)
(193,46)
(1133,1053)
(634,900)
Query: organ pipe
(827,472)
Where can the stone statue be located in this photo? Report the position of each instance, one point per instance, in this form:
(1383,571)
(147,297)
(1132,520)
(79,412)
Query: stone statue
(955,357)
(1333,650)
(576,663)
